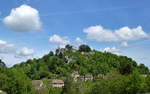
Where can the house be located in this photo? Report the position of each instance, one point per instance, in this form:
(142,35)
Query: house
(57,83)
(38,84)
(2,92)
(82,77)
(100,76)
(75,75)
(87,77)
(86,53)
(74,49)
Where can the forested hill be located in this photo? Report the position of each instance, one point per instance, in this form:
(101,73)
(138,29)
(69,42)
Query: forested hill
(63,62)
(83,60)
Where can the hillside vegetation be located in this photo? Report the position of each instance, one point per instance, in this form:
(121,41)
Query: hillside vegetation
(122,75)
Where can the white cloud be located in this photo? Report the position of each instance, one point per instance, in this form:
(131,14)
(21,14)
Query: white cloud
(114,50)
(124,44)
(100,34)
(11,54)
(61,46)
(111,49)
(25,52)
(2,42)
(125,33)
(58,39)
(23,19)
(78,40)
(6,47)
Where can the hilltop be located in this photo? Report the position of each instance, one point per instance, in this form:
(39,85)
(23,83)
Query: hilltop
(84,60)
(119,73)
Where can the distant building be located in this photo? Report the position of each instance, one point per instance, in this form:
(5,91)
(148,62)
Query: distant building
(86,53)
(87,77)
(74,49)
(57,83)
(38,84)
(100,76)
(75,75)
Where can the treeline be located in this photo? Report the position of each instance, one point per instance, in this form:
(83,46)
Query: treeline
(14,81)
(115,84)
(123,75)
(84,60)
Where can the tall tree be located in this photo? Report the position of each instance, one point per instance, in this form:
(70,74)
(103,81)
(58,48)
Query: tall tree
(84,48)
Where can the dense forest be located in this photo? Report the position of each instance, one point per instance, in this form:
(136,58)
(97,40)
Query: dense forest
(120,74)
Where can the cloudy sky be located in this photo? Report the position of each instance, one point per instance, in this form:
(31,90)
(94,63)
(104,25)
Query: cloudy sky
(31,28)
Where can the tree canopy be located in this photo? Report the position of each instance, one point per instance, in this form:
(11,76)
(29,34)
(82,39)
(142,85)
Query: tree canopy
(122,74)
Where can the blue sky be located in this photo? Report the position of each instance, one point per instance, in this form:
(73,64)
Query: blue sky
(31,28)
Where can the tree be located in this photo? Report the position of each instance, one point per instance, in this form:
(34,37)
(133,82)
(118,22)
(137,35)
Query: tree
(14,81)
(84,48)
(100,87)
(51,53)
(148,83)
(69,47)
(143,69)
(2,64)
(125,68)
(69,87)
(134,84)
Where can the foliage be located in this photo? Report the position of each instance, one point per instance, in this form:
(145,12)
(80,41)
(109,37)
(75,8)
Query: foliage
(84,48)
(15,82)
(125,79)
